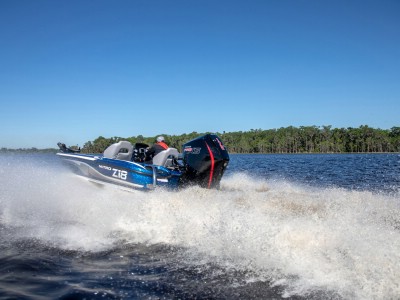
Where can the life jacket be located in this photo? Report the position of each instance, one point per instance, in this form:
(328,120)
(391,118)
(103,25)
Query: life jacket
(162,144)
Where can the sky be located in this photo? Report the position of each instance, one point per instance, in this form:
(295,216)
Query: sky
(72,71)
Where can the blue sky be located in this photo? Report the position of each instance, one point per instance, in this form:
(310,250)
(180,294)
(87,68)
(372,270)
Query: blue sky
(74,70)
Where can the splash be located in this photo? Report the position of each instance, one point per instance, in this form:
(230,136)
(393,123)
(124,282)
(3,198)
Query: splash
(299,237)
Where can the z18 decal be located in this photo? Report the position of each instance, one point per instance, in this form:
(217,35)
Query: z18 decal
(120,174)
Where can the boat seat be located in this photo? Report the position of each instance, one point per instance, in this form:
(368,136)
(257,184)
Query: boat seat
(122,150)
(165,158)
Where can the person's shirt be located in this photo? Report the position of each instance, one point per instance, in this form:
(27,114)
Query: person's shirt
(156,148)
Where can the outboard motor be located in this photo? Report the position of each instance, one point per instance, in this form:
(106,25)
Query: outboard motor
(205,159)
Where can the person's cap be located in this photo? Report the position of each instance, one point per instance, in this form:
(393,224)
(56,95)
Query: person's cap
(160,139)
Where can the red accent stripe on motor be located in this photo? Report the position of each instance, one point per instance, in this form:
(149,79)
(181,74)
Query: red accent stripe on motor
(212,165)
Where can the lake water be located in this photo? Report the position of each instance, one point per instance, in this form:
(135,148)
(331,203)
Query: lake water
(281,227)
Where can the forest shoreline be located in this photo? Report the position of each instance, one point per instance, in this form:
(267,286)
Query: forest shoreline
(284,140)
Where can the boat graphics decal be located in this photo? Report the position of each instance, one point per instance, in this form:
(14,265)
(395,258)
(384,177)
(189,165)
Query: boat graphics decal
(192,150)
(96,174)
(88,157)
(212,165)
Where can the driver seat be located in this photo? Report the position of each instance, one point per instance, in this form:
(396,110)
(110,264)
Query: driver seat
(165,157)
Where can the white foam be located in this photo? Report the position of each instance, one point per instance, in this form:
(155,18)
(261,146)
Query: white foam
(301,237)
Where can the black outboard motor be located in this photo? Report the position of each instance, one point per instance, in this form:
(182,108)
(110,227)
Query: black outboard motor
(205,159)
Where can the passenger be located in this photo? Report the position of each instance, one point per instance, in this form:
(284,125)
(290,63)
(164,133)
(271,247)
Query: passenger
(159,146)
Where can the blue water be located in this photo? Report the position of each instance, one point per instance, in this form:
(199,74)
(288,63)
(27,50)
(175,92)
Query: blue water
(370,172)
(282,226)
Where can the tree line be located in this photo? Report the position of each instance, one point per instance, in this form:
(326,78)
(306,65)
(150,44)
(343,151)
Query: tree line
(303,139)
(27,150)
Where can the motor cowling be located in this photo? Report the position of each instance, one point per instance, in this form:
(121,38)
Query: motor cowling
(205,160)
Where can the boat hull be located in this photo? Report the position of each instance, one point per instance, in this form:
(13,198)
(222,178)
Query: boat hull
(123,173)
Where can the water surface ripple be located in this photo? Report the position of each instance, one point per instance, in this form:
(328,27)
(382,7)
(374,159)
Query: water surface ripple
(281,226)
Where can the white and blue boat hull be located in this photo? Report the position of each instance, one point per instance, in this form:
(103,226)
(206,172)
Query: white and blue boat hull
(202,163)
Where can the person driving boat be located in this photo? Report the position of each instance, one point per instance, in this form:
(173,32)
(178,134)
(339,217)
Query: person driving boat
(157,147)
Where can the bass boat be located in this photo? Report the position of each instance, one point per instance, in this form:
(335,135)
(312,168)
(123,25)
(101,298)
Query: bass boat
(202,162)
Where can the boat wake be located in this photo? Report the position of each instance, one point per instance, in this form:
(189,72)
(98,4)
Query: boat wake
(297,237)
